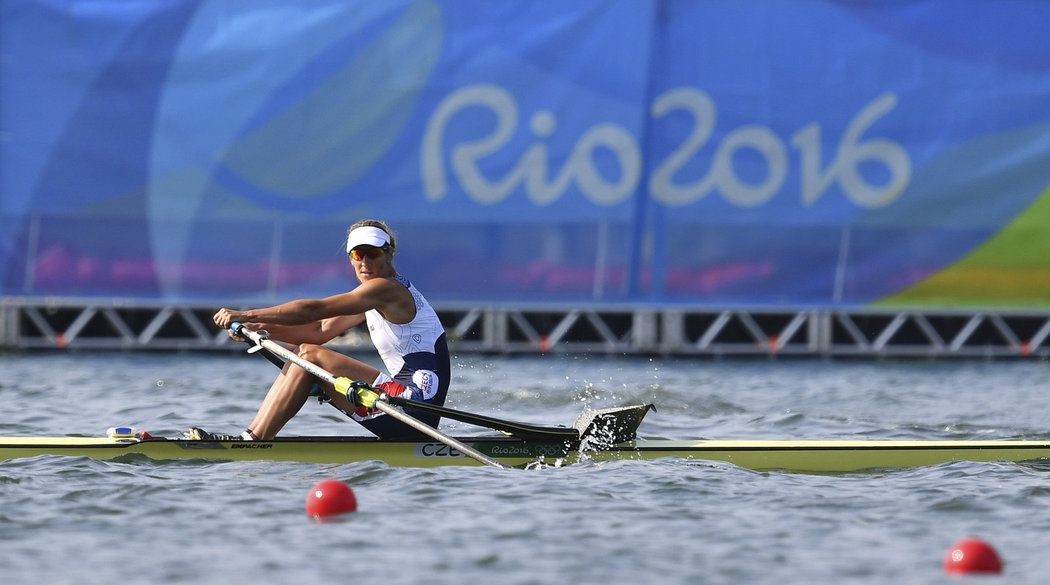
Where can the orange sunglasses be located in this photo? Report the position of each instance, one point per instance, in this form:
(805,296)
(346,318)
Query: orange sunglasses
(361,252)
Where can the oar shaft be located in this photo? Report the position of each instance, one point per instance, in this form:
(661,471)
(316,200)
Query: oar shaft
(383,407)
(513,428)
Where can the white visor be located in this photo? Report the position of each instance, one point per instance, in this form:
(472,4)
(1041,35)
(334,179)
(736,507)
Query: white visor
(366,236)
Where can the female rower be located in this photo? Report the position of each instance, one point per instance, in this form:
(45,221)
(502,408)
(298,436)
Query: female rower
(403,326)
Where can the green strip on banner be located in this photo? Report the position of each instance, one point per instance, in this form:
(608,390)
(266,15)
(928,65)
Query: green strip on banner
(1010,269)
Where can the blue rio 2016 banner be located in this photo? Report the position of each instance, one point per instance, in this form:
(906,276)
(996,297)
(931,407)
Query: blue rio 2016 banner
(667,151)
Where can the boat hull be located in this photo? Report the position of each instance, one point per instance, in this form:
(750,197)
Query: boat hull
(787,455)
(507,450)
(840,456)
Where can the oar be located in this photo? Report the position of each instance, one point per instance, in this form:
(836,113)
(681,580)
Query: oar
(601,427)
(269,355)
(345,386)
(513,428)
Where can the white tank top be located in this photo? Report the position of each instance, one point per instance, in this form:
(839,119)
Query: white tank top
(399,345)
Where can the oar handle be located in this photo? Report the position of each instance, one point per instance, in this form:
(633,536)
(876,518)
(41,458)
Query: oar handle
(261,339)
(236,328)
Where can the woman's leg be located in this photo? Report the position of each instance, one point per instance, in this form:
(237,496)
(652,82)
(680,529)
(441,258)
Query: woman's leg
(291,389)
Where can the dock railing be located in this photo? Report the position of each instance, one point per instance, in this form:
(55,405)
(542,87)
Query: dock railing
(115,324)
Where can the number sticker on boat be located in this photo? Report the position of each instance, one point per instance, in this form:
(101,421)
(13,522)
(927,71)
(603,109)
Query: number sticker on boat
(436,450)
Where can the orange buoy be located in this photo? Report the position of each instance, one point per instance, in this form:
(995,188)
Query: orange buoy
(972,555)
(330,497)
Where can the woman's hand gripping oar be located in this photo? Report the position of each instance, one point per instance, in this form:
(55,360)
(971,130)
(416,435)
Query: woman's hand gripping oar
(357,392)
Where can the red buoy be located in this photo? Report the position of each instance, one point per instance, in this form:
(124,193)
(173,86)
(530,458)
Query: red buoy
(972,555)
(330,497)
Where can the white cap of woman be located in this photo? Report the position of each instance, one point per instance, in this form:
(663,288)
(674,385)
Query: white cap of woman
(367,236)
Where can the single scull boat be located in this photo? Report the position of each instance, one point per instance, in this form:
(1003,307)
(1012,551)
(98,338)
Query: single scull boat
(597,435)
(788,455)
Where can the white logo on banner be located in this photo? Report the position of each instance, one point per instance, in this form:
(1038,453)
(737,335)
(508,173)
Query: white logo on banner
(533,168)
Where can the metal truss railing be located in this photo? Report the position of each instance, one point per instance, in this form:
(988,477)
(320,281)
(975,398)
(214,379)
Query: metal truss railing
(72,324)
(30,324)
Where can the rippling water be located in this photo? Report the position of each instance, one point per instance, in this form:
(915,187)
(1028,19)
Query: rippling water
(65,520)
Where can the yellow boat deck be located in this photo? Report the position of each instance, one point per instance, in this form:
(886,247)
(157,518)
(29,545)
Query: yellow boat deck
(830,456)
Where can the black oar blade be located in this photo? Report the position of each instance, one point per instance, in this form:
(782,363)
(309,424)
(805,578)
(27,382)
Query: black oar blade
(606,427)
